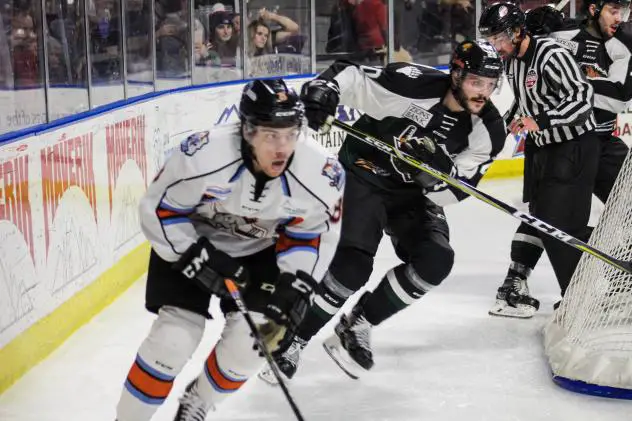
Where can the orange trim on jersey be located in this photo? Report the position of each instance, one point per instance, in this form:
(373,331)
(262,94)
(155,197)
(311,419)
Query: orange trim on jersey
(166,213)
(284,243)
(148,384)
(220,380)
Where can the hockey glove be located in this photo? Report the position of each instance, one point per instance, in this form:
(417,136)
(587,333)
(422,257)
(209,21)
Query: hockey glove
(426,150)
(208,266)
(321,99)
(293,295)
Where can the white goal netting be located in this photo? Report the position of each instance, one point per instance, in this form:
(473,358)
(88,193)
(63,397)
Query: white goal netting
(589,340)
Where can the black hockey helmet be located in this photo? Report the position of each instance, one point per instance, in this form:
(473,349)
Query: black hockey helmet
(599,4)
(543,20)
(270,103)
(478,57)
(500,17)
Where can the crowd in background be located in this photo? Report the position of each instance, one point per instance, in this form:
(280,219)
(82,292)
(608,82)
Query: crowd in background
(93,52)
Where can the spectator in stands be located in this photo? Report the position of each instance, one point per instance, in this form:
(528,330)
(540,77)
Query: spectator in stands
(6,62)
(360,27)
(236,25)
(269,31)
(172,36)
(341,35)
(223,42)
(259,40)
(104,23)
(24,48)
(370,23)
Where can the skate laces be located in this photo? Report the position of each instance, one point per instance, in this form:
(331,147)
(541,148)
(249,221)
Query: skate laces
(293,353)
(362,330)
(194,408)
(519,285)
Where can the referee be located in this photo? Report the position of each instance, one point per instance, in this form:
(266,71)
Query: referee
(553,103)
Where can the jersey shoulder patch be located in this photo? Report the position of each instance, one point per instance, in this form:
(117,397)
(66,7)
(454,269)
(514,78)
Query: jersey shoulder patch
(334,172)
(194,143)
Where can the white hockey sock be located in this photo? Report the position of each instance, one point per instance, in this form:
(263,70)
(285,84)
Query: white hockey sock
(231,363)
(173,338)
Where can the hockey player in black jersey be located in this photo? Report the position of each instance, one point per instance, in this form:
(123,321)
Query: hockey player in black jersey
(445,120)
(604,55)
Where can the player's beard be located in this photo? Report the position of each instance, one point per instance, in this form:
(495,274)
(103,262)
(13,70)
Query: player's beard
(467,102)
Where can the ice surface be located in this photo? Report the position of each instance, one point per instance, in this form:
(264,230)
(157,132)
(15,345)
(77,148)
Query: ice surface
(442,359)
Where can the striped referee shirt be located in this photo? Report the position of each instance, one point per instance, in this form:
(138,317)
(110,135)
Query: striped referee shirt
(549,86)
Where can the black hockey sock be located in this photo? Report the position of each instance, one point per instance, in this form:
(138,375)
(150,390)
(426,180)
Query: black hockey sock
(395,292)
(526,250)
(315,319)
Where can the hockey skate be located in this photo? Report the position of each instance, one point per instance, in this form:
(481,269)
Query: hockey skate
(350,345)
(287,362)
(192,406)
(513,300)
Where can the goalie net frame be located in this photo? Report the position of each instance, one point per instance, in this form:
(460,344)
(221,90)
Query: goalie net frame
(588,341)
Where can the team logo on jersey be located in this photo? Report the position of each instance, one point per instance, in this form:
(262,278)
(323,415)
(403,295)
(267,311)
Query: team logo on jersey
(370,166)
(240,226)
(572,46)
(531,79)
(410,71)
(194,143)
(418,114)
(334,172)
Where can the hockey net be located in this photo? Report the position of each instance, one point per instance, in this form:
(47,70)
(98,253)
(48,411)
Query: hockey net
(588,342)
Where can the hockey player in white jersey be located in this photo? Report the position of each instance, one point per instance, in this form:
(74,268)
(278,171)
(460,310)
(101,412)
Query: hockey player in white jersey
(256,202)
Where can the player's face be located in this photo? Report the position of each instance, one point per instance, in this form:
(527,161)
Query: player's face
(476,91)
(611,16)
(273,147)
(503,43)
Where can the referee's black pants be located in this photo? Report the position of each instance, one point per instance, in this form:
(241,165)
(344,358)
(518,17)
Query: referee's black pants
(559,182)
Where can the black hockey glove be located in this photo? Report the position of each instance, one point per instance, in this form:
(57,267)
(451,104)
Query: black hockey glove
(426,150)
(208,266)
(321,99)
(293,295)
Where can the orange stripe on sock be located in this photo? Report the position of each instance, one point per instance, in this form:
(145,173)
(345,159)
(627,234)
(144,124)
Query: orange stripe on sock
(218,377)
(285,243)
(148,384)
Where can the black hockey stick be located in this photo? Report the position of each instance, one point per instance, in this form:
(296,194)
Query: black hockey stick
(234,292)
(490,200)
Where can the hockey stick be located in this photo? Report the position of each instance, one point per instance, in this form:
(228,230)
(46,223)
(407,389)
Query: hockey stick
(236,295)
(561,5)
(490,200)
